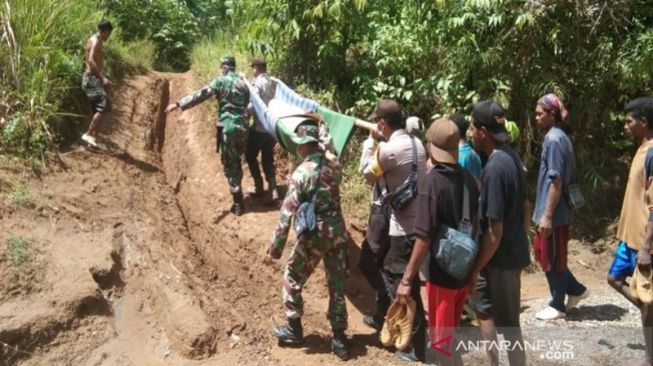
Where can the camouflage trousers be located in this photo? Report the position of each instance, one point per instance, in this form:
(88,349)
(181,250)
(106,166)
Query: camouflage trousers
(232,148)
(92,86)
(304,258)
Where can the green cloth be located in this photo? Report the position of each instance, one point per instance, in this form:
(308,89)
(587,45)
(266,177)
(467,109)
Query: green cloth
(341,127)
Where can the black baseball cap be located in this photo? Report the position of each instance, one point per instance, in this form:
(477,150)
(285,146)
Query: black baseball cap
(490,115)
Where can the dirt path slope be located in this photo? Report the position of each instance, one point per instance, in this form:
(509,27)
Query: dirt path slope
(134,259)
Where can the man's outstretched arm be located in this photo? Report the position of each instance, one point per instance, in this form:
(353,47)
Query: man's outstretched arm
(194,98)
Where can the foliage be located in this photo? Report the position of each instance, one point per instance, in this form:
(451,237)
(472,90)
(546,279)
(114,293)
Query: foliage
(174,26)
(355,192)
(438,57)
(444,55)
(21,196)
(209,15)
(206,56)
(134,56)
(167,23)
(311,37)
(19,249)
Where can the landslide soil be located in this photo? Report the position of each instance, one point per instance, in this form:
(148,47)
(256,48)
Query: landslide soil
(133,258)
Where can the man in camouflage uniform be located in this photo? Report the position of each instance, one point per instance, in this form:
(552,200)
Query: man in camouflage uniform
(329,242)
(232,94)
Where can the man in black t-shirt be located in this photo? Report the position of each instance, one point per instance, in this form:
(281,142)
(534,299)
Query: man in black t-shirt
(442,203)
(503,244)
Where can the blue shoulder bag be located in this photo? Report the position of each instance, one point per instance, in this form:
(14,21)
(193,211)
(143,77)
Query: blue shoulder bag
(454,250)
(305,218)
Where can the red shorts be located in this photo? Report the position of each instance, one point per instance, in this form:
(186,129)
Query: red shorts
(551,252)
(445,308)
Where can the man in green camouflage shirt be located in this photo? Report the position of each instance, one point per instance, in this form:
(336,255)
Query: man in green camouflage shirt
(329,242)
(232,94)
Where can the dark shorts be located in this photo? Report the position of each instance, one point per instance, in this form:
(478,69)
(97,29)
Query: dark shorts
(92,86)
(625,261)
(100,104)
(497,295)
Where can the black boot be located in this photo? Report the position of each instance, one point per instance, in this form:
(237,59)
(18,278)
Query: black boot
(238,208)
(339,345)
(373,321)
(258,188)
(376,321)
(291,334)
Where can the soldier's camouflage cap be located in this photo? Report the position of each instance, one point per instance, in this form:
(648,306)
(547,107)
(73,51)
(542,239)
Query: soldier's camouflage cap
(228,60)
(306,133)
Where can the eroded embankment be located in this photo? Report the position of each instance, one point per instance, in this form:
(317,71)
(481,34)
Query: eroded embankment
(111,249)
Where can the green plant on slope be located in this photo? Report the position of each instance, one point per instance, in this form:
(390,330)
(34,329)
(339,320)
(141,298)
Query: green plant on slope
(21,196)
(19,249)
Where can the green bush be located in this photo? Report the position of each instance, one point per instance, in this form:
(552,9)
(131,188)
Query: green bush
(21,196)
(20,250)
(356,193)
(174,26)
(206,54)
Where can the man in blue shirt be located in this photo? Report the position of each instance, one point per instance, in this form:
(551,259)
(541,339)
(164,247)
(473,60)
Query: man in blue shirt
(553,213)
(467,156)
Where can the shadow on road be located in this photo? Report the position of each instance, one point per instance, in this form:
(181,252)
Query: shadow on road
(605,312)
(321,344)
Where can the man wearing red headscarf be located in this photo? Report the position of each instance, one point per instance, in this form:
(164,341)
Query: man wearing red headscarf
(553,213)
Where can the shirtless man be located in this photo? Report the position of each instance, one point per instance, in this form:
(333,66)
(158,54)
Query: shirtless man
(94,81)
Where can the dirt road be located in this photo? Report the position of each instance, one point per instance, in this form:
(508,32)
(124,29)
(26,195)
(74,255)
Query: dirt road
(134,259)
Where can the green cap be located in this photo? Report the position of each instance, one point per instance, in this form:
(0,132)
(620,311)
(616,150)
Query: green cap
(306,133)
(228,60)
